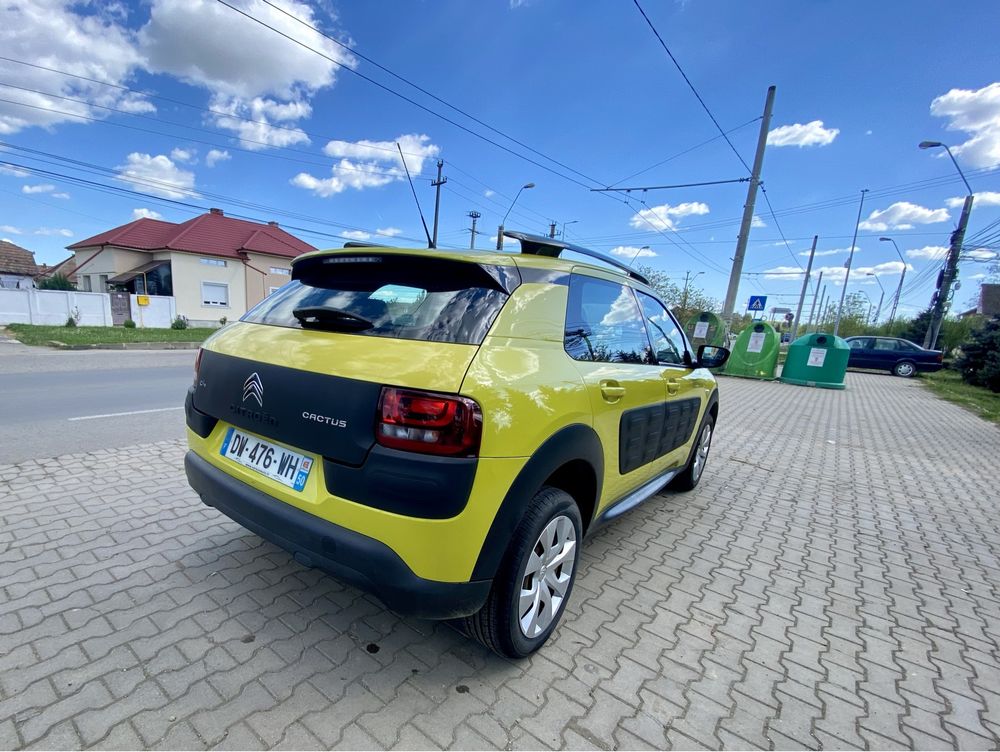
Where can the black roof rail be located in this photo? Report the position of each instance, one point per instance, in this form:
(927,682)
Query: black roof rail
(539,245)
(359,244)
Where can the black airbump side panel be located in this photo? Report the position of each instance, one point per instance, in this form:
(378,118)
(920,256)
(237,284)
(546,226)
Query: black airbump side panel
(646,433)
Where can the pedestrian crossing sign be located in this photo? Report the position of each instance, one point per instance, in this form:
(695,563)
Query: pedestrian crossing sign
(757,302)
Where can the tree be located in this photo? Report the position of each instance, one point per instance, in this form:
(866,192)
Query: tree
(979,362)
(55,282)
(673,294)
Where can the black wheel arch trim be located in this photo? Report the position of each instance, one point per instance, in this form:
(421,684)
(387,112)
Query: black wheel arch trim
(571,443)
(713,401)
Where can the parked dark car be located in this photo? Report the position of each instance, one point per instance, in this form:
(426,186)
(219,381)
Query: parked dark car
(899,356)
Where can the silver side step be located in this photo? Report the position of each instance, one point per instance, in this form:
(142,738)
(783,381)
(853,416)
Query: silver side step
(638,496)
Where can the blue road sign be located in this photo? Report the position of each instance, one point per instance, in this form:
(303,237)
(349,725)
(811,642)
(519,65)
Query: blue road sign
(757,302)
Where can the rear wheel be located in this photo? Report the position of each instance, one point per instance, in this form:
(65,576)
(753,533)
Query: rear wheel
(906,369)
(535,579)
(691,474)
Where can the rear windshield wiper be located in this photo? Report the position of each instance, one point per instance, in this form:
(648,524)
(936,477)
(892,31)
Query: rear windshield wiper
(331,318)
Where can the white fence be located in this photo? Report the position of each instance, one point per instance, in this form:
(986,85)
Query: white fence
(53,307)
(159,314)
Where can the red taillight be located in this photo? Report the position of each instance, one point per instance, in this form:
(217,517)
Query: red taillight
(197,365)
(428,423)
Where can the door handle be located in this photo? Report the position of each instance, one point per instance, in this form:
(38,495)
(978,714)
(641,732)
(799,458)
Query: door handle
(673,385)
(612,391)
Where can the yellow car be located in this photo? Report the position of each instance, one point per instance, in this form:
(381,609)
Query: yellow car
(443,428)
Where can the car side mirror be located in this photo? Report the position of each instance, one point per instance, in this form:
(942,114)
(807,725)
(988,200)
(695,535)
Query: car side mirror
(710,356)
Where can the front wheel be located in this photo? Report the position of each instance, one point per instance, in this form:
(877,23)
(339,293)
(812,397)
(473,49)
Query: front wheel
(690,475)
(535,579)
(904,369)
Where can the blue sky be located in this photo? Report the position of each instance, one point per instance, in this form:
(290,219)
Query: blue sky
(587,84)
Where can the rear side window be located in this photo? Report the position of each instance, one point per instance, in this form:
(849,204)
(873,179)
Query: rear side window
(603,323)
(402,297)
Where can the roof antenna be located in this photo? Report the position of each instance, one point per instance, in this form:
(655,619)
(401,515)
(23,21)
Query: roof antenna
(430,243)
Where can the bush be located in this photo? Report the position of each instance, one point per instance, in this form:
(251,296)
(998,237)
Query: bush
(70,322)
(128,324)
(979,362)
(222,321)
(179,323)
(55,282)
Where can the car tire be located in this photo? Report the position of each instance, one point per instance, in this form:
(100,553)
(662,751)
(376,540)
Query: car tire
(904,369)
(514,623)
(690,475)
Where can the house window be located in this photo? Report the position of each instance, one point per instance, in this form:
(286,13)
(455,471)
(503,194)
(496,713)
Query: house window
(103,283)
(279,270)
(212,261)
(85,282)
(215,294)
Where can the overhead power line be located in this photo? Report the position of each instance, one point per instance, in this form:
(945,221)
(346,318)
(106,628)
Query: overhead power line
(691,86)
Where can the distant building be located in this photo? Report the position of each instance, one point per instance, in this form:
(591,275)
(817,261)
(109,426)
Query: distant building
(65,268)
(989,300)
(212,265)
(17,266)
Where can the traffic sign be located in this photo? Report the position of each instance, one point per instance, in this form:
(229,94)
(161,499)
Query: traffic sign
(757,302)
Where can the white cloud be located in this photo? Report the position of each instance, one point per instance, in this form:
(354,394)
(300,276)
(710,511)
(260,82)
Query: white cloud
(981,254)
(388,232)
(629,251)
(157,175)
(250,71)
(215,156)
(934,252)
(355,235)
(757,222)
(903,215)
(976,113)
(868,132)
(832,252)
(489,193)
(182,155)
(144,213)
(41,188)
(983,198)
(836,273)
(810,134)
(664,217)
(86,39)
(11,229)
(62,231)
(60,195)
(17,172)
(368,164)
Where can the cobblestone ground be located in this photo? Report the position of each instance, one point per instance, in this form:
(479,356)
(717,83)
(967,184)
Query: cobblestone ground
(831,584)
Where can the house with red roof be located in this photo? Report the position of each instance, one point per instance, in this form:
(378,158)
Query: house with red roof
(213,266)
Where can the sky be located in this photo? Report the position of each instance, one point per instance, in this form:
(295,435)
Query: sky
(174,106)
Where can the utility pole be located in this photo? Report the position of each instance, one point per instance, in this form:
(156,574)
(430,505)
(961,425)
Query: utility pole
(940,303)
(805,286)
(687,279)
(437,201)
(472,240)
(812,310)
(899,288)
(850,260)
(552,229)
(744,236)
(821,313)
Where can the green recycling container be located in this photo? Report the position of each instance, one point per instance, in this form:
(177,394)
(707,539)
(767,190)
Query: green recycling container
(817,360)
(706,328)
(755,352)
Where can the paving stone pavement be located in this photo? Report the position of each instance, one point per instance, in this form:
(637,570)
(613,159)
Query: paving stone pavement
(831,584)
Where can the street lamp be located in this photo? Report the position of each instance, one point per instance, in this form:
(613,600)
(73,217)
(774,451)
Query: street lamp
(878,311)
(684,300)
(871,305)
(951,265)
(562,233)
(902,276)
(524,187)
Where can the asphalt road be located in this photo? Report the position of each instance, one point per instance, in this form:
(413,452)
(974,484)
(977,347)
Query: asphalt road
(54,402)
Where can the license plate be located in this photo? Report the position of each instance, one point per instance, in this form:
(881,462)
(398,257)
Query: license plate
(275,462)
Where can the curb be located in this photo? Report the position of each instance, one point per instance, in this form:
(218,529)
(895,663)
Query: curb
(127,346)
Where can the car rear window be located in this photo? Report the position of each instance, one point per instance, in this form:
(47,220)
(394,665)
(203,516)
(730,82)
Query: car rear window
(401,296)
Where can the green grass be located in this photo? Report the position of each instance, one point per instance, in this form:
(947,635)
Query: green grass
(101,335)
(949,385)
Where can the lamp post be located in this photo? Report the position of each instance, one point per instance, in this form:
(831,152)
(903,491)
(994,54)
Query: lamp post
(562,232)
(871,305)
(902,276)
(878,310)
(940,301)
(524,187)
(684,299)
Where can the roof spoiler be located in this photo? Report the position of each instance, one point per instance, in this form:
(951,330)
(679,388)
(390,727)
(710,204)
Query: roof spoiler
(358,244)
(539,245)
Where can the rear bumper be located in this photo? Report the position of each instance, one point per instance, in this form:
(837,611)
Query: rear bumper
(348,555)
